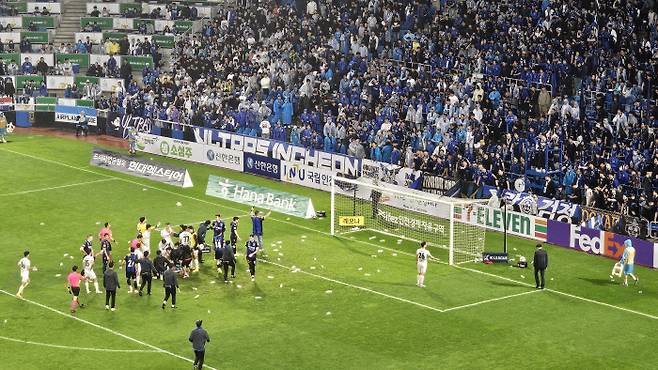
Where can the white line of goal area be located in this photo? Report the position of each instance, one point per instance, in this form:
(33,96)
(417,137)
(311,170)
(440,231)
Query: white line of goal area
(328,234)
(154,348)
(50,345)
(56,187)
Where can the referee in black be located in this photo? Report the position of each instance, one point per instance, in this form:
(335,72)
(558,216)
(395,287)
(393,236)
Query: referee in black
(170,285)
(540,262)
(199,337)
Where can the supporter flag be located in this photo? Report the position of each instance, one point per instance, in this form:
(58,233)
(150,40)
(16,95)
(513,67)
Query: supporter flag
(595,222)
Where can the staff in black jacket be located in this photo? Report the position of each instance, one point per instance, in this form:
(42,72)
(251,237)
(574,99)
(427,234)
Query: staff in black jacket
(111,284)
(170,285)
(540,263)
(147,269)
(228,260)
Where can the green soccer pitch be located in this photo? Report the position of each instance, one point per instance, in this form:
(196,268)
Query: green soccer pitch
(349,303)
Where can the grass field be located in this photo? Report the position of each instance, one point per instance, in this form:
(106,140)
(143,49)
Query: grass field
(353,305)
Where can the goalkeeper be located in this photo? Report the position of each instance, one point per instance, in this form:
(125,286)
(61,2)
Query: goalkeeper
(628,260)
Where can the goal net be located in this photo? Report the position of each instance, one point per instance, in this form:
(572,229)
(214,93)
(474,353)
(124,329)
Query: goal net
(409,214)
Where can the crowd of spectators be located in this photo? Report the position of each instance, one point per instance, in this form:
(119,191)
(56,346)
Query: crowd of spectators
(171,11)
(482,91)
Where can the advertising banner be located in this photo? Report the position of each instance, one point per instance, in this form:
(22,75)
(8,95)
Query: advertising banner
(141,167)
(519,224)
(259,196)
(58,82)
(14,22)
(40,22)
(185,150)
(35,57)
(81,59)
(163,41)
(262,166)
(336,163)
(35,37)
(599,242)
(310,177)
(94,37)
(8,57)
(70,114)
(137,62)
(103,23)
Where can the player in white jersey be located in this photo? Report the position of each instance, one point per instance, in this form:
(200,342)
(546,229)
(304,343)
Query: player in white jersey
(88,268)
(422,256)
(167,233)
(24,264)
(146,238)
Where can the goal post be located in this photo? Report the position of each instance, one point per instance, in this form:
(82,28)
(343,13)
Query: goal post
(443,222)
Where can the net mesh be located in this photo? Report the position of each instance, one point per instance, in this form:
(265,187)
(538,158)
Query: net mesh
(408,214)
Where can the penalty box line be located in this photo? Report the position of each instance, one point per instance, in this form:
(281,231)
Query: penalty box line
(326,233)
(156,349)
(58,346)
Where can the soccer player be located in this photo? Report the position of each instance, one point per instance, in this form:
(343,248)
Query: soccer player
(146,270)
(107,229)
(422,256)
(185,249)
(228,260)
(250,255)
(24,264)
(201,238)
(74,278)
(166,234)
(218,229)
(234,237)
(106,249)
(628,260)
(170,283)
(257,219)
(111,284)
(130,261)
(141,225)
(88,268)
(86,245)
(146,237)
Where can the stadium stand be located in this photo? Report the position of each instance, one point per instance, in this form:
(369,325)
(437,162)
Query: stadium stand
(559,93)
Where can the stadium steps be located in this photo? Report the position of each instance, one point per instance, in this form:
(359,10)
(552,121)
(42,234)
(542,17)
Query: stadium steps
(72,11)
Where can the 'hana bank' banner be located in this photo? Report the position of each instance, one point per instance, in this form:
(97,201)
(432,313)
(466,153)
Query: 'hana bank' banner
(260,196)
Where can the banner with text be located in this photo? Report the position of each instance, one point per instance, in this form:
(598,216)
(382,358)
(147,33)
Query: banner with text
(68,114)
(141,167)
(260,196)
(189,151)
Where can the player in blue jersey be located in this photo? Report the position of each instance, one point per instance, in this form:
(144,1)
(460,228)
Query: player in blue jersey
(250,254)
(234,234)
(130,261)
(87,246)
(218,254)
(257,219)
(106,250)
(218,230)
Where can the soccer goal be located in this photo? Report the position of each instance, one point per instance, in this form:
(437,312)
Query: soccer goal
(409,214)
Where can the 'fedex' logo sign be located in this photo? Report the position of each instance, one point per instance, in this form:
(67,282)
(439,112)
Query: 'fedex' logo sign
(596,242)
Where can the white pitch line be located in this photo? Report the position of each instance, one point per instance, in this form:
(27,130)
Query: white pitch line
(79,348)
(322,232)
(490,300)
(158,349)
(356,287)
(55,187)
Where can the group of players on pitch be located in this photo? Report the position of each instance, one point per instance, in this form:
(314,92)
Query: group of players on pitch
(172,258)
